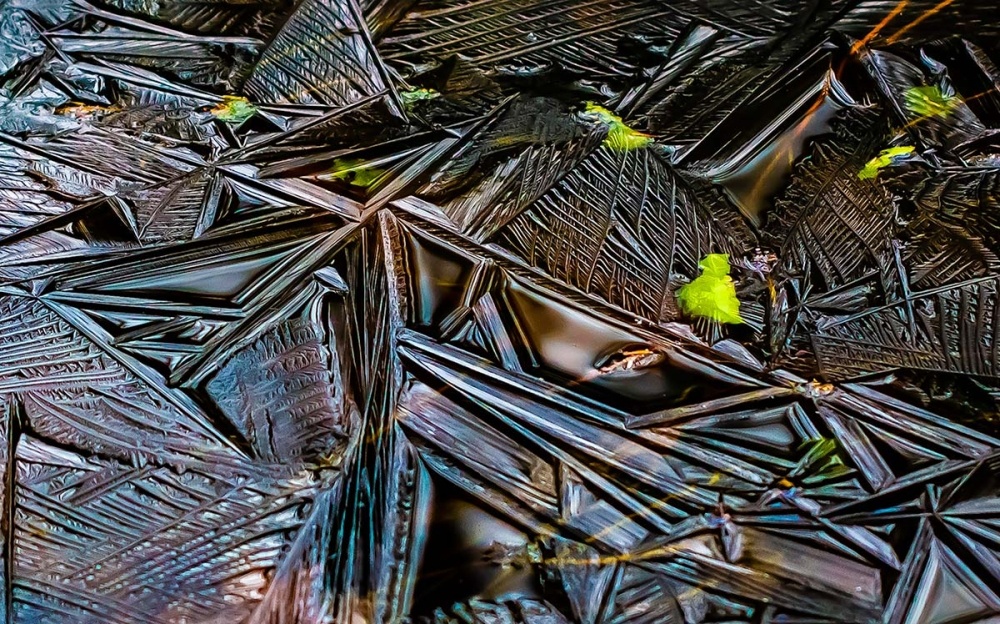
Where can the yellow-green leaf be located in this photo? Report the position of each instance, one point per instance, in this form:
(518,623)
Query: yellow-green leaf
(620,136)
(930,101)
(354,172)
(885,158)
(234,109)
(417,95)
(712,294)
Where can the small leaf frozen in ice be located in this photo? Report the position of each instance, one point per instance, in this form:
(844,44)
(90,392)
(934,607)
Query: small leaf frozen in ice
(234,109)
(885,158)
(715,265)
(354,172)
(410,98)
(712,295)
(620,136)
(930,101)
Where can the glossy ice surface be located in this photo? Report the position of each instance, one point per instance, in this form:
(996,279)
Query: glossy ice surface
(369,311)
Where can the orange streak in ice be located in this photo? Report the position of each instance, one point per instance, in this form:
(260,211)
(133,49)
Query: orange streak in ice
(923,16)
(878,27)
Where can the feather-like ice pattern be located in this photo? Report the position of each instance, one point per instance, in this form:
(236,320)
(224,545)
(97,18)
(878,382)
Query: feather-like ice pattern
(830,223)
(93,534)
(214,17)
(953,236)
(584,40)
(280,393)
(323,54)
(330,312)
(948,328)
(601,227)
(512,162)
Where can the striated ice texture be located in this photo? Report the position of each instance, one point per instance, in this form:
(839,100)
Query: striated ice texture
(366,312)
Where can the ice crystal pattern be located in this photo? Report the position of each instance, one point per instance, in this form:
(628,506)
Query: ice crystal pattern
(370,311)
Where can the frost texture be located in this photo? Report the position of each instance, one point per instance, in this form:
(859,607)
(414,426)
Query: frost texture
(344,311)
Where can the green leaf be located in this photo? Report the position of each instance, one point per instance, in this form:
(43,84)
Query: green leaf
(885,158)
(712,294)
(620,136)
(354,172)
(234,109)
(417,95)
(715,265)
(827,474)
(930,101)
